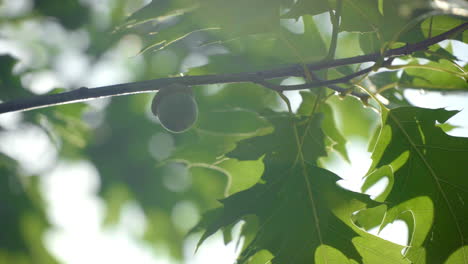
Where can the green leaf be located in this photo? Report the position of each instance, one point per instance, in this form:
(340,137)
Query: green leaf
(329,255)
(241,17)
(371,217)
(261,257)
(303,7)
(242,174)
(66,127)
(429,183)
(382,79)
(418,213)
(287,227)
(360,15)
(336,140)
(439,24)
(355,119)
(376,176)
(301,214)
(387,85)
(305,47)
(260,51)
(231,18)
(22,216)
(458,256)
(158,11)
(381,6)
(395,21)
(279,146)
(239,175)
(436,53)
(369,42)
(216,134)
(397,16)
(10,83)
(71,14)
(211,139)
(443,75)
(232,122)
(375,250)
(116,196)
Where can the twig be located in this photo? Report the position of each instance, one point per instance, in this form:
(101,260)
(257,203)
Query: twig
(328,83)
(84,94)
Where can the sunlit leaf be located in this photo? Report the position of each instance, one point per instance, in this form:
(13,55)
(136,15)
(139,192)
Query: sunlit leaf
(439,24)
(299,208)
(336,140)
(430,180)
(443,75)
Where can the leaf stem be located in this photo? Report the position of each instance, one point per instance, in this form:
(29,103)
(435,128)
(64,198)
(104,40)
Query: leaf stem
(335,19)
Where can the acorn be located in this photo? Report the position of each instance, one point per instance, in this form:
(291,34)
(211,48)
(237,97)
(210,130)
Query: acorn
(175,107)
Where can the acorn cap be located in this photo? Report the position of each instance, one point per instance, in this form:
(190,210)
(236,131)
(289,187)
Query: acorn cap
(175,108)
(171,89)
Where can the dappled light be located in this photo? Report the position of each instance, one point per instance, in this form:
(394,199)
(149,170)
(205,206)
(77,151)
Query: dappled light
(222,132)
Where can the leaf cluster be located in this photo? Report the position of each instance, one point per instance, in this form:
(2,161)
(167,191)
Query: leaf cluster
(252,158)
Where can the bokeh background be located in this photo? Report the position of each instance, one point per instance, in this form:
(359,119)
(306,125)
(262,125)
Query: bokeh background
(92,183)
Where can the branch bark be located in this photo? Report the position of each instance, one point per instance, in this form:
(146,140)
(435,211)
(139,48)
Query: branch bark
(85,94)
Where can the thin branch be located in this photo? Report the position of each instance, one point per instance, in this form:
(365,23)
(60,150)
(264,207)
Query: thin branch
(84,94)
(328,83)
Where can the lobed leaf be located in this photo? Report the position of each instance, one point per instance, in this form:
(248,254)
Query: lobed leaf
(296,213)
(430,183)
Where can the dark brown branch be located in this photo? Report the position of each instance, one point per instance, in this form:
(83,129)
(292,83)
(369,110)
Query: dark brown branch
(84,94)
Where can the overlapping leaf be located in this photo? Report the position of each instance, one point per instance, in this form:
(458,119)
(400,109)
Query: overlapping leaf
(257,51)
(297,213)
(335,140)
(231,18)
(351,10)
(439,24)
(429,182)
(442,73)
(435,76)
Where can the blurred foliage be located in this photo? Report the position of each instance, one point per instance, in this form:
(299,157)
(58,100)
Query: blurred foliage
(22,217)
(71,14)
(10,83)
(247,159)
